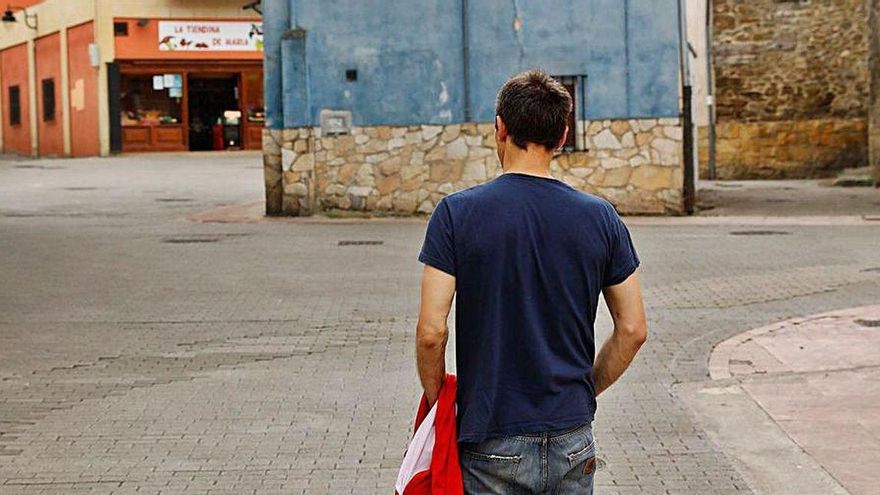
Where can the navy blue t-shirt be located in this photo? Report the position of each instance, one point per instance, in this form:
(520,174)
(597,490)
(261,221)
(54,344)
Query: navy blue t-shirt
(530,256)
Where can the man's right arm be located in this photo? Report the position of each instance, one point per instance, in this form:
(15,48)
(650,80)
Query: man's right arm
(624,301)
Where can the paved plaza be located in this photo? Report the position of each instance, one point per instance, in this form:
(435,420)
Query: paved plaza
(145,349)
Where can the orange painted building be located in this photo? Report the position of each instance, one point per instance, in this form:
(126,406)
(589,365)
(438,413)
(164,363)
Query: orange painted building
(47,52)
(15,101)
(83,88)
(94,77)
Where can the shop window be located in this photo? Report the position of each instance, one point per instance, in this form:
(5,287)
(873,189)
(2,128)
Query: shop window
(14,105)
(253,89)
(151,99)
(575,86)
(48,87)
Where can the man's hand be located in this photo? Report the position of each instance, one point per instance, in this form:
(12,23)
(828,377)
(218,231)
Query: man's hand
(438,288)
(624,300)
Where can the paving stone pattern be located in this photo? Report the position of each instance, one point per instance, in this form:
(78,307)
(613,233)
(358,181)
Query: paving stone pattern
(268,358)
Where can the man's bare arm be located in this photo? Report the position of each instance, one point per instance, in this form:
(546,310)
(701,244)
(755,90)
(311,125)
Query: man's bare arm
(624,301)
(438,288)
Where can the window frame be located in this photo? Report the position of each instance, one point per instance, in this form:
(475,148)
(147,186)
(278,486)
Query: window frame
(576,86)
(120,29)
(14,104)
(48,100)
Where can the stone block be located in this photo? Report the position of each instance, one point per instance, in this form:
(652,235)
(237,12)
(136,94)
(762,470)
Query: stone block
(457,149)
(439,171)
(360,191)
(344,144)
(387,184)
(288,157)
(610,163)
(652,177)
(474,170)
(391,165)
(376,157)
(297,189)
(673,133)
(617,177)
(395,143)
(620,127)
(450,133)
(430,131)
(364,175)
(303,163)
(606,139)
(405,203)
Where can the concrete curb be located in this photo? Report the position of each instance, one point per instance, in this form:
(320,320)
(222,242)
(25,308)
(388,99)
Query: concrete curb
(766,457)
(719,359)
(253,212)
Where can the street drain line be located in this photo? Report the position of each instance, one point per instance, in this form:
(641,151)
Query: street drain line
(201,238)
(759,232)
(361,243)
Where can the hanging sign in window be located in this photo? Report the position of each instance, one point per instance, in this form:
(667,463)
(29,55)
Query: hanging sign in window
(238,36)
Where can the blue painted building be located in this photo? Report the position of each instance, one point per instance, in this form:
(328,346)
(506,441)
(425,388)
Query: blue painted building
(404,63)
(442,61)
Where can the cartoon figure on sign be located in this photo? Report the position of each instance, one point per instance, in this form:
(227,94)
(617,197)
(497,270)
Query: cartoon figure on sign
(185,42)
(258,32)
(201,45)
(167,42)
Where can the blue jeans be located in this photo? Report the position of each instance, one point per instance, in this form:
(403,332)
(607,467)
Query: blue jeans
(560,463)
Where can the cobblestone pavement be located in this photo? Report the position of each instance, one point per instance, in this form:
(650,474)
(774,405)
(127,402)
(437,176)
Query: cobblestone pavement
(144,353)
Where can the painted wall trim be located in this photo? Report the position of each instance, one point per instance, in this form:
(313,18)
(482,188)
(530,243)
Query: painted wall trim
(32,96)
(65,92)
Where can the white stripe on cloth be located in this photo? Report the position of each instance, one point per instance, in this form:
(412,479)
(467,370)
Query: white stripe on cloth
(419,453)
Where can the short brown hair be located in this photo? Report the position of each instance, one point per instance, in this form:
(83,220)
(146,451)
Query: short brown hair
(535,109)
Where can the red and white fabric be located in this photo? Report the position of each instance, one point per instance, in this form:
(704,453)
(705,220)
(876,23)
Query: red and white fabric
(430,464)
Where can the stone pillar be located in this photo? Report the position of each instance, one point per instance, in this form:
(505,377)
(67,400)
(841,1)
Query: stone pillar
(298,171)
(272,171)
(874,97)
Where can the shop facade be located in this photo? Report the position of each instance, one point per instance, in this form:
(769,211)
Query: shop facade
(97,77)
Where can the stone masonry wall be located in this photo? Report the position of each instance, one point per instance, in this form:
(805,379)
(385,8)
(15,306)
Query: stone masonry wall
(784,148)
(874,98)
(790,74)
(635,164)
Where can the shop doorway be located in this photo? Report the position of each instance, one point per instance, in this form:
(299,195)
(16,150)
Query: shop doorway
(213,111)
(172,107)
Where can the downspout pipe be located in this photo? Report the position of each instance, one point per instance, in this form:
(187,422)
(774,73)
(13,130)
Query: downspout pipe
(465,58)
(276,19)
(689,192)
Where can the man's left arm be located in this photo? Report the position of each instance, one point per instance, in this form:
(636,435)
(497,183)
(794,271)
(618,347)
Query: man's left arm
(432,332)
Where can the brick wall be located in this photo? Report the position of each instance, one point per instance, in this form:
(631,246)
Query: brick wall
(790,74)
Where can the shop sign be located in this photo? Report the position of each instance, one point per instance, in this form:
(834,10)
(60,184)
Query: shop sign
(239,36)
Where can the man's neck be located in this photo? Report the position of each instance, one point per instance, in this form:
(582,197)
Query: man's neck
(533,161)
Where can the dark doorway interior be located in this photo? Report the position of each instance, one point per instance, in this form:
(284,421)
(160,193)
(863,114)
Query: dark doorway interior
(209,96)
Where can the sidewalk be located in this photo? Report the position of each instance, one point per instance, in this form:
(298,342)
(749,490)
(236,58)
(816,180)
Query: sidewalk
(785,198)
(817,379)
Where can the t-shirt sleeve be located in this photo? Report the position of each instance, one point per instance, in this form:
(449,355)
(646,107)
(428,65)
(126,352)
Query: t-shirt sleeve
(438,249)
(622,257)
